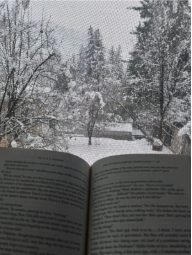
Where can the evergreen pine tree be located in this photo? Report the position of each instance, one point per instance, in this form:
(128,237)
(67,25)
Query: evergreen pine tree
(159,63)
(112,56)
(73,68)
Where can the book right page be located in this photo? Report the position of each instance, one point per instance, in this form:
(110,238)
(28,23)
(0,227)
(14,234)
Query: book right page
(140,204)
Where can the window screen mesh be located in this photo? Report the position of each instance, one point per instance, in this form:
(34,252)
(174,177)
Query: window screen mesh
(96,78)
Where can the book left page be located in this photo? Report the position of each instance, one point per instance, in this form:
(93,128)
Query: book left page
(43,202)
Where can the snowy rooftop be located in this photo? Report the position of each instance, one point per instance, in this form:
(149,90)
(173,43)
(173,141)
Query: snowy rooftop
(124,127)
(157,142)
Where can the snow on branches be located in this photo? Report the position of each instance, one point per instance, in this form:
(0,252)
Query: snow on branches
(27,60)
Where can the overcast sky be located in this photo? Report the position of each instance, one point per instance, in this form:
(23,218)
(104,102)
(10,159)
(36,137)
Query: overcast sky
(113,19)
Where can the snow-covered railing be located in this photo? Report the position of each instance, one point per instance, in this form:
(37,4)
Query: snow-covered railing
(118,135)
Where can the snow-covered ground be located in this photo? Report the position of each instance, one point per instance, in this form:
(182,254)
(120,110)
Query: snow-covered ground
(104,147)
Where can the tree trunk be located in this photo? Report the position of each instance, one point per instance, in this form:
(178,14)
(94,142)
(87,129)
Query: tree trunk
(89,143)
(89,132)
(161,128)
(161,100)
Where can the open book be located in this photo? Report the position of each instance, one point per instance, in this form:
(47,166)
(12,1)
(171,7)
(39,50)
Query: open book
(54,203)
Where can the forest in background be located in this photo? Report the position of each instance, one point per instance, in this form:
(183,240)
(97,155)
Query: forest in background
(44,98)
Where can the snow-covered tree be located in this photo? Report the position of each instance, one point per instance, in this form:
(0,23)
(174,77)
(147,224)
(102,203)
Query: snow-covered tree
(159,69)
(92,66)
(114,79)
(112,55)
(94,85)
(115,61)
(28,54)
(64,76)
(94,57)
(73,67)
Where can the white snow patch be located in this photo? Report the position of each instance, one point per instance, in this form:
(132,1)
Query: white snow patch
(186,130)
(109,147)
(157,141)
(30,138)
(13,144)
(47,90)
